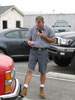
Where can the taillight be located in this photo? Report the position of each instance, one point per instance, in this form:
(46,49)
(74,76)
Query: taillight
(9,77)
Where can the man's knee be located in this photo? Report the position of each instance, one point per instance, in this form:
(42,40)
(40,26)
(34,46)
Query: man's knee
(43,74)
(30,71)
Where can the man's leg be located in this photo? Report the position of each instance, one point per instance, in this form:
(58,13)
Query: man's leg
(31,68)
(42,83)
(42,60)
(27,80)
(28,76)
(42,78)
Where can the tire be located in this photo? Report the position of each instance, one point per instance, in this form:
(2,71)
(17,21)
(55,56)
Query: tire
(61,61)
(2,51)
(73,62)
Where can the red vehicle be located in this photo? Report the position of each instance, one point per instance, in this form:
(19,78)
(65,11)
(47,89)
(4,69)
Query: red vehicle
(9,86)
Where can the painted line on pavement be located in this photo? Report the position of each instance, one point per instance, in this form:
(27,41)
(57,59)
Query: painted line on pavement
(26,99)
(60,75)
(52,75)
(20,66)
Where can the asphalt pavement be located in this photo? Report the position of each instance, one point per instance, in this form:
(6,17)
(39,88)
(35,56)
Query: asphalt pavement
(60,82)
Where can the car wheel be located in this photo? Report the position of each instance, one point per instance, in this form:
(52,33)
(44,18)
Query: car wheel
(73,62)
(61,61)
(2,51)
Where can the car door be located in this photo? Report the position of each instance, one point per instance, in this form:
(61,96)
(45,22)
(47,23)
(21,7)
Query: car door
(13,42)
(25,48)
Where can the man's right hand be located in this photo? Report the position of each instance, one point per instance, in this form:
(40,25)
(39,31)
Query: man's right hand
(29,43)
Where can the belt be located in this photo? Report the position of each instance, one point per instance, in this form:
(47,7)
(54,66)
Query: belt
(40,49)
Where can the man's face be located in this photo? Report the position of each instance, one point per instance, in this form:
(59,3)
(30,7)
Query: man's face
(39,24)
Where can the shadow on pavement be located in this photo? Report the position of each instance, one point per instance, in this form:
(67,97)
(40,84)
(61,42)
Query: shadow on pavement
(20,59)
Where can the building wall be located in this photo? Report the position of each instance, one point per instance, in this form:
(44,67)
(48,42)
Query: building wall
(12,16)
(50,19)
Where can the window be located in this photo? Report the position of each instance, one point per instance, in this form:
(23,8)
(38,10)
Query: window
(23,33)
(17,24)
(4,24)
(61,24)
(13,34)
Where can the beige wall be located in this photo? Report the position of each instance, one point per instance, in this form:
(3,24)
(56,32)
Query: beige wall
(12,16)
(50,19)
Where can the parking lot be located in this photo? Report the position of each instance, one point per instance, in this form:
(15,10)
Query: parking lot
(60,82)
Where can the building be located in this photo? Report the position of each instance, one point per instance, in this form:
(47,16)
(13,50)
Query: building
(50,19)
(10,17)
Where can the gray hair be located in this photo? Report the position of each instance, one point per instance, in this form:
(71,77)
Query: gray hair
(39,18)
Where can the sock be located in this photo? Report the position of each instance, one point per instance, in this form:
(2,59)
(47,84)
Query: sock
(41,85)
(26,85)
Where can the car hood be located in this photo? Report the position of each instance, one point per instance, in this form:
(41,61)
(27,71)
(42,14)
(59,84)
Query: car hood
(66,35)
(6,63)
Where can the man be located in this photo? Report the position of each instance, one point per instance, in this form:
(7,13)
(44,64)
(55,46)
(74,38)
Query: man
(39,38)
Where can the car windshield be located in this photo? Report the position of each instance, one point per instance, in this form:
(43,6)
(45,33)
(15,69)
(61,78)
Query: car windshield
(61,24)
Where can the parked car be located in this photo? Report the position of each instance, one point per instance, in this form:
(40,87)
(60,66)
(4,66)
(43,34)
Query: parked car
(63,51)
(9,85)
(13,42)
(61,26)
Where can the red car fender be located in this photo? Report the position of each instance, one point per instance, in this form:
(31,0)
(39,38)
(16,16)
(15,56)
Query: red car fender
(6,64)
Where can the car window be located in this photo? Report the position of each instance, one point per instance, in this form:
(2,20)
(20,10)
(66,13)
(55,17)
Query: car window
(23,33)
(61,24)
(13,34)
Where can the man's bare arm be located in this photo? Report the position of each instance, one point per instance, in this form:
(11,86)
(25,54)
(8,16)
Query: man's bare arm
(51,40)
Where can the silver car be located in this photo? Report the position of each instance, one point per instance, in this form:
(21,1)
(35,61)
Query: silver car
(61,26)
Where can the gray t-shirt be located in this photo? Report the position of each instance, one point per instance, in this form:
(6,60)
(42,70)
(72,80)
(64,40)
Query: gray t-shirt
(37,40)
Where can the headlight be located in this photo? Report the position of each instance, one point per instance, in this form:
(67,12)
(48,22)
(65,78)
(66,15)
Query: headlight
(66,42)
(55,30)
(9,77)
(63,41)
(67,30)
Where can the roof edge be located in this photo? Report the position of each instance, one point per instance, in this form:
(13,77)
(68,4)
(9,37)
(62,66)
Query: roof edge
(13,6)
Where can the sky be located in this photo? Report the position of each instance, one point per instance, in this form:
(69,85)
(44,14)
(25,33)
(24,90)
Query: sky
(42,6)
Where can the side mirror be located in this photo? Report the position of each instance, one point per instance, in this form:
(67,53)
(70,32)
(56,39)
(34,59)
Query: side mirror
(52,25)
(69,25)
